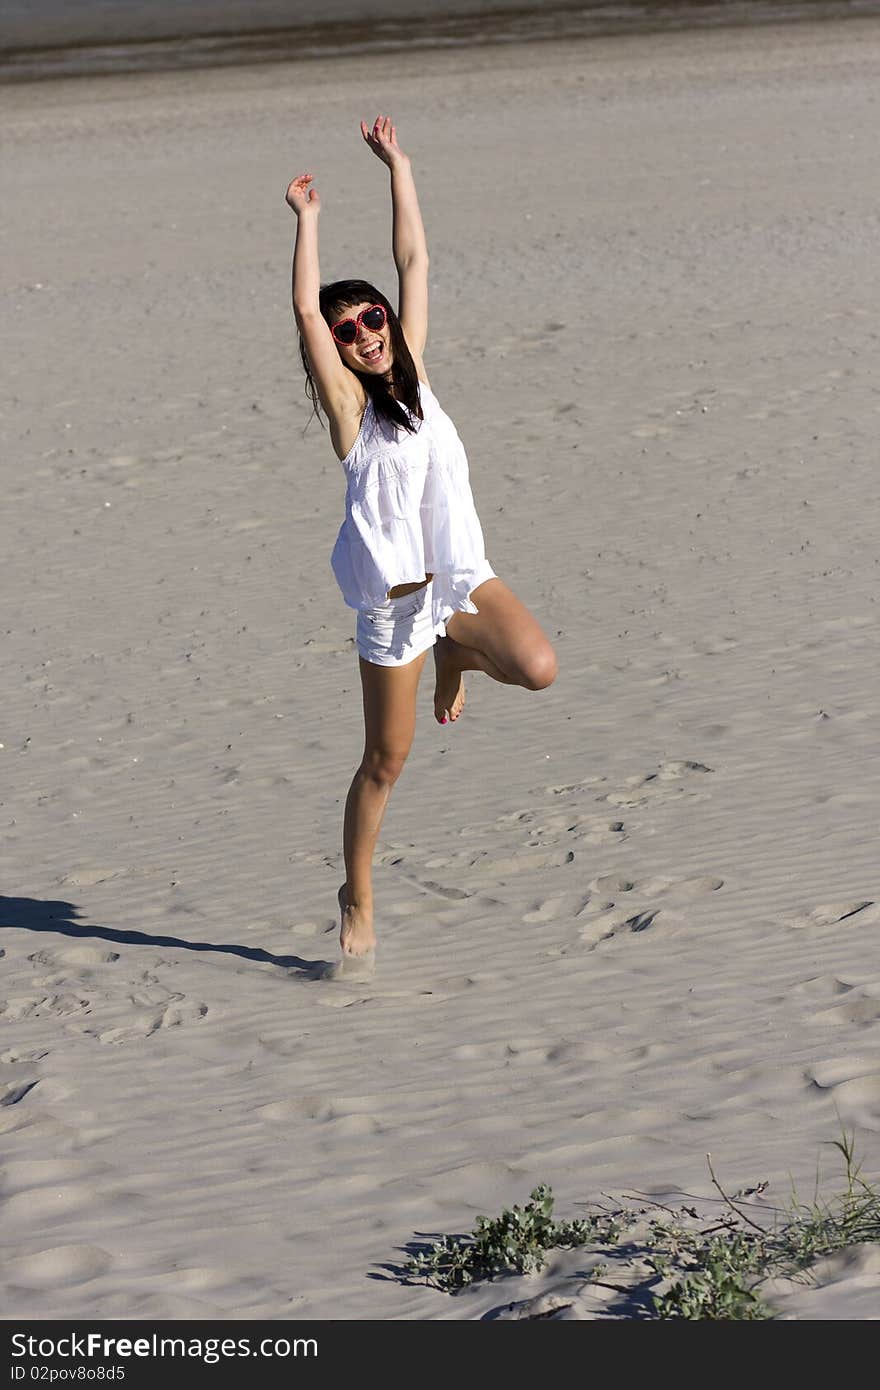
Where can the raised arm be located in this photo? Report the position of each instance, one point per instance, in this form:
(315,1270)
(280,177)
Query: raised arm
(408,234)
(332,379)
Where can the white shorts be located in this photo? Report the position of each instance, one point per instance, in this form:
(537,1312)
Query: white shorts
(395,632)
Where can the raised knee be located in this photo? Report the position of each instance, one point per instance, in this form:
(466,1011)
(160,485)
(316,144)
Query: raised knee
(383,767)
(542,670)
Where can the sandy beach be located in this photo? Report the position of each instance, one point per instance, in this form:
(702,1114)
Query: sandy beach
(624,921)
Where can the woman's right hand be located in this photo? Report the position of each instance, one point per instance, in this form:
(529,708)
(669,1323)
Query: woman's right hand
(302,198)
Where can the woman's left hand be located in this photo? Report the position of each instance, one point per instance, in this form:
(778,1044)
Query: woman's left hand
(382,140)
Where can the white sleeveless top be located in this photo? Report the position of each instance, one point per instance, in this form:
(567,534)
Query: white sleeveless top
(409,511)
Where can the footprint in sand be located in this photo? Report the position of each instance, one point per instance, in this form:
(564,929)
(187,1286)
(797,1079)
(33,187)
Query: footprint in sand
(11,1092)
(143,1023)
(87,877)
(510,819)
(557,827)
(617,904)
(74,955)
(474,874)
(397,859)
(860,912)
(670,781)
(18,1006)
(41,1005)
(557,907)
(681,890)
(553,839)
(853,1083)
(672,889)
(12,1057)
(56,994)
(343,994)
(612,921)
(595,830)
(822,987)
(523,861)
(575,788)
(439,890)
(307,929)
(612,883)
(570,828)
(393,856)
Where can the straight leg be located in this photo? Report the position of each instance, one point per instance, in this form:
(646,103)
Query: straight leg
(389,699)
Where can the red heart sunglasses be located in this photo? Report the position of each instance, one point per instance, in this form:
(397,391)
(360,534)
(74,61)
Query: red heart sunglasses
(346,330)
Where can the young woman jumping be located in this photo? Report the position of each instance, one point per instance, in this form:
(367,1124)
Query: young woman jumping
(410,555)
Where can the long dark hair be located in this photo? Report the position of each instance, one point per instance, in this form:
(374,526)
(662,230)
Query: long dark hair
(342,294)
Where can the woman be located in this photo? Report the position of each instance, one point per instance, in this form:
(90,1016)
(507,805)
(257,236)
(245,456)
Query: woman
(409,556)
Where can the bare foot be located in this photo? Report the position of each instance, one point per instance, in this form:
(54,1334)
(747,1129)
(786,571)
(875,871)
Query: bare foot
(449,696)
(356,935)
(358,943)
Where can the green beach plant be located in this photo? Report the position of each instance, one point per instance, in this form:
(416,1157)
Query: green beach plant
(695,1271)
(721,1276)
(819,1228)
(516,1242)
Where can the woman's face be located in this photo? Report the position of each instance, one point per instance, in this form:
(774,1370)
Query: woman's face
(371,350)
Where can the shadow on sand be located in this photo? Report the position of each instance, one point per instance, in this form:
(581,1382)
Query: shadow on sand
(61,919)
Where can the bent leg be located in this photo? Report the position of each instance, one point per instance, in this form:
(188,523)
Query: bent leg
(503,639)
(389,699)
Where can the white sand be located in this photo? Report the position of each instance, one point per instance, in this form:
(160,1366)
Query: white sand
(624,921)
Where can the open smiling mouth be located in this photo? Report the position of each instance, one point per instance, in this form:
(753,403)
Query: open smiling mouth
(374,353)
